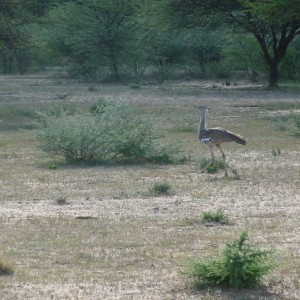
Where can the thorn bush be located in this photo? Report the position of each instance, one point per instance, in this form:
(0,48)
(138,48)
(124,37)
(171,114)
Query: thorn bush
(240,265)
(108,133)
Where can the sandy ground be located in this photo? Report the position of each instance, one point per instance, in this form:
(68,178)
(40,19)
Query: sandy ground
(112,239)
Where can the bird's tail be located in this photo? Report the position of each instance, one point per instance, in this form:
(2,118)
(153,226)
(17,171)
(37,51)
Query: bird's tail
(239,139)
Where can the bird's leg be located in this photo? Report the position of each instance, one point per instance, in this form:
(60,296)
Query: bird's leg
(212,159)
(212,154)
(223,156)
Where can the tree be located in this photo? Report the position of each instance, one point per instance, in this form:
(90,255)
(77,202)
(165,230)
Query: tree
(241,52)
(164,49)
(10,21)
(273,23)
(94,33)
(16,19)
(204,48)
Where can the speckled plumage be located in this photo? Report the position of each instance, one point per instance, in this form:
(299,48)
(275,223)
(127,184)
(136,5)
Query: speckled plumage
(216,136)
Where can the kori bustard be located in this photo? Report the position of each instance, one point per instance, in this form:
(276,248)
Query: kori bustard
(216,136)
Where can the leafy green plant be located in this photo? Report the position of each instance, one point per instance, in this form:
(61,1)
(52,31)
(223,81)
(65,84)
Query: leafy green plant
(160,188)
(240,265)
(215,217)
(212,167)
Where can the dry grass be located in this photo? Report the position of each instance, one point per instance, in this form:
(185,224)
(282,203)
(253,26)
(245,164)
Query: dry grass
(114,241)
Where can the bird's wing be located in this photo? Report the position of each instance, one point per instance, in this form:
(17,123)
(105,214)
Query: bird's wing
(221,135)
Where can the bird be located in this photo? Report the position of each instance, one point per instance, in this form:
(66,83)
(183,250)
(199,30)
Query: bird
(216,136)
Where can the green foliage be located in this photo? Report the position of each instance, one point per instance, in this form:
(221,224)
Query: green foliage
(215,217)
(212,167)
(104,31)
(268,22)
(242,54)
(111,133)
(99,106)
(77,138)
(203,48)
(160,187)
(240,265)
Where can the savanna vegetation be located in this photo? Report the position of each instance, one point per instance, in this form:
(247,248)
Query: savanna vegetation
(102,194)
(137,40)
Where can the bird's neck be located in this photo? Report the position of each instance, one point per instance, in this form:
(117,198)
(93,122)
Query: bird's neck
(202,125)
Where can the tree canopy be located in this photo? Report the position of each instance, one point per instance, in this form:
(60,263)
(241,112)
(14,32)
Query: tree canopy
(273,23)
(108,38)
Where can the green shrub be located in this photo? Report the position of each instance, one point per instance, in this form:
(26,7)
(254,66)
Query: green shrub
(215,217)
(112,133)
(240,265)
(160,187)
(212,167)
(77,138)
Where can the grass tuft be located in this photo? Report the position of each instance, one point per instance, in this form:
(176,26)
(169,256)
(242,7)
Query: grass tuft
(160,188)
(215,217)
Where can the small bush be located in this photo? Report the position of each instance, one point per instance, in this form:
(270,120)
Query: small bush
(240,265)
(99,106)
(213,167)
(160,188)
(5,268)
(215,217)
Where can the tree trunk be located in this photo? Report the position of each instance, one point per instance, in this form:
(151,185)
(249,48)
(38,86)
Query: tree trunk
(273,74)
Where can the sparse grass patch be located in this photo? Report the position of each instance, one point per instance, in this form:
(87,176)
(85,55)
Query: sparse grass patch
(61,198)
(289,123)
(219,217)
(184,126)
(160,188)
(240,265)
